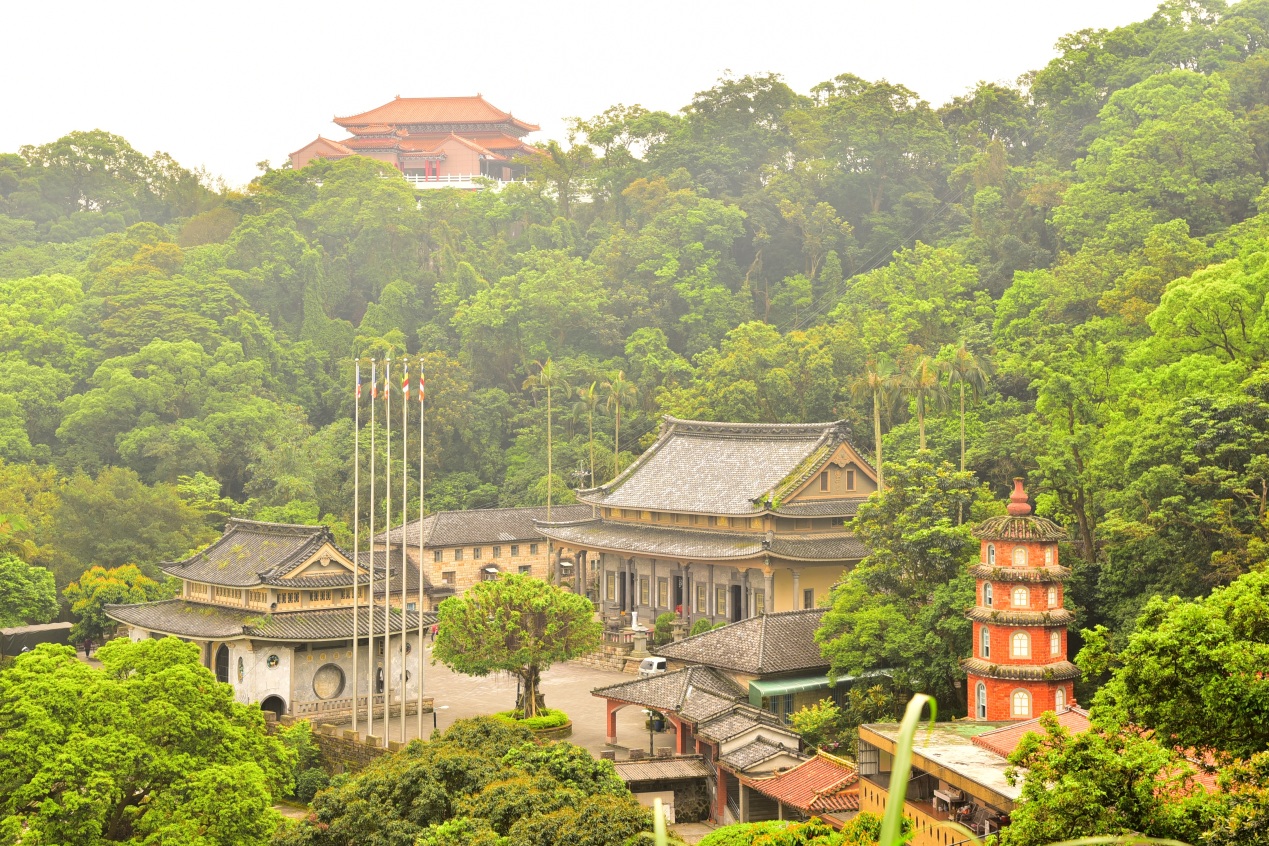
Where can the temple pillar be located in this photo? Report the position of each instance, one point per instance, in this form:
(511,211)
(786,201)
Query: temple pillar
(768,600)
(688,597)
(632,592)
(613,707)
(652,589)
(722,794)
(711,598)
(797,590)
(603,584)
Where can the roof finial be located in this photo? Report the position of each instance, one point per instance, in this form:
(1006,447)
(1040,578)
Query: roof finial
(1018,505)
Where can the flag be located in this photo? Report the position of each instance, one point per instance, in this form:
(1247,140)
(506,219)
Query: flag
(405,382)
(358,377)
(387,386)
(422,382)
(374,386)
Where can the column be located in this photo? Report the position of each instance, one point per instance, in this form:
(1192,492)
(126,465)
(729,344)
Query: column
(632,587)
(797,591)
(688,597)
(603,583)
(581,577)
(768,599)
(559,556)
(652,588)
(613,708)
(748,597)
(711,600)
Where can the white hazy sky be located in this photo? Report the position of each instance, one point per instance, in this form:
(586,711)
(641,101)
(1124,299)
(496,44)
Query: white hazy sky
(224,85)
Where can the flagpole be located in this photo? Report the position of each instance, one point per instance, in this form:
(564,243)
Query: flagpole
(387,560)
(405,475)
(356,527)
(422,650)
(370,596)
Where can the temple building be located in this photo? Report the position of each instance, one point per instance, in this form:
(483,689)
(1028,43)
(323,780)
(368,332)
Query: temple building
(1019,668)
(270,606)
(721,521)
(435,142)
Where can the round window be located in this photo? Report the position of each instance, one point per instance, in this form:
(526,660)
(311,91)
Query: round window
(328,681)
(273,661)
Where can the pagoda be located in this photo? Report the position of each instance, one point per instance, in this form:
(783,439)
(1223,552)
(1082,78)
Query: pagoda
(435,142)
(1019,667)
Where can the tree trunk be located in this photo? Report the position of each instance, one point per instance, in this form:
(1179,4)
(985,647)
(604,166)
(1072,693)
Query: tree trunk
(531,700)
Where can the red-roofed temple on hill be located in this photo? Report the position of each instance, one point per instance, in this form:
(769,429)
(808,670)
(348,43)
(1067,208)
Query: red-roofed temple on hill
(435,142)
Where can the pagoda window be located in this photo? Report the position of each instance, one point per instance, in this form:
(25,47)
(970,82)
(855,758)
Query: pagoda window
(1055,643)
(987,594)
(984,639)
(1048,557)
(1020,645)
(1059,699)
(1021,704)
(1021,597)
(981,708)
(1052,596)
(991,554)
(1019,556)
(850,480)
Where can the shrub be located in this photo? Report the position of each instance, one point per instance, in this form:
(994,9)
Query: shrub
(547,718)
(702,625)
(309,783)
(661,633)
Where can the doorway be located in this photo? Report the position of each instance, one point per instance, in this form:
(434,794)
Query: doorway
(222,664)
(274,704)
(737,604)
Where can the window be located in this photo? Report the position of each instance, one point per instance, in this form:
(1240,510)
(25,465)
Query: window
(720,601)
(345,593)
(824,481)
(1059,699)
(808,598)
(515,550)
(497,552)
(233,595)
(984,642)
(981,707)
(449,578)
(987,594)
(663,592)
(525,569)
(850,480)
(1021,597)
(645,590)
(656,516)
(1055,643)
(458,555)
(1019,556)
(257,597)
(475,552)
(1052,596)
(438,556)
(702,596)
(712,520)
(759,603)
(289,598)
(533,549)
(1021,645)
(991,554)
(610,589)
(1021,704)
(692,519)
(1048,556)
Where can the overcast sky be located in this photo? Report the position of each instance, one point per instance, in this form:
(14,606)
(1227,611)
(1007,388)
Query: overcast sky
(224,85)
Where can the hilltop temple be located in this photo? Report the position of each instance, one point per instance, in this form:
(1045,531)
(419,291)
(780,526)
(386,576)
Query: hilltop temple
(435,142)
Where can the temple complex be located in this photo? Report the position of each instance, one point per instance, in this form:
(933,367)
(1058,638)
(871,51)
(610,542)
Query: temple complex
(435,142)
(720,521)
(270,606)
(1019,668)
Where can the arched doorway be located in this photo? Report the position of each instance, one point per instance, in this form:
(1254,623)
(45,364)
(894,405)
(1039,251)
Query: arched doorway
(274,704)
(222,664)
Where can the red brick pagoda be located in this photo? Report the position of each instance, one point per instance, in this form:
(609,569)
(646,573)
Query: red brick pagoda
(435,142)
(1019,667)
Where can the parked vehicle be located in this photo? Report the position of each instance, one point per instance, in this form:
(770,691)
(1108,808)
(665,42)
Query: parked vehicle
(651,666)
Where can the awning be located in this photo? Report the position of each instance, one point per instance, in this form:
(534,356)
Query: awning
(758,690)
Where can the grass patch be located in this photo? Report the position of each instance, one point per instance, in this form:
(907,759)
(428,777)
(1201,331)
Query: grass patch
(547,718)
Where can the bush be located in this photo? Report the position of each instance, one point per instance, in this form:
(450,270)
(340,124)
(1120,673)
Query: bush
(547,718)
(309,783)
(661,633)
(864,830)
(702,625)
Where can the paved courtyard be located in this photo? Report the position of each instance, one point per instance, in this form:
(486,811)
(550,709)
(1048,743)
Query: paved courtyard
(565,686)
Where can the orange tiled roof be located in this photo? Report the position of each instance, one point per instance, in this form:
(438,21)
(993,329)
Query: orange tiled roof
(1003,741)
(435,110)
(328,145)
(822,784)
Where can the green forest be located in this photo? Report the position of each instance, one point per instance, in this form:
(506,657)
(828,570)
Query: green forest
(1063,279)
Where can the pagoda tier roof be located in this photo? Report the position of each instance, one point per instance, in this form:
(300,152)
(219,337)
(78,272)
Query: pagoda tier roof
(723,468)
(1026,527)
(253,553)
(1056,671)
(783,642)
(203,621)
(1021,616)
(703,545)
(1020,574)
(435,110)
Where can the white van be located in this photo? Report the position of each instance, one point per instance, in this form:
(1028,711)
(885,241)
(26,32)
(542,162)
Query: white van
(652,666)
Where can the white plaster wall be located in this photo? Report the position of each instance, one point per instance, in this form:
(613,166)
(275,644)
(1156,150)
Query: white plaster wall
(771,733)
(259,680)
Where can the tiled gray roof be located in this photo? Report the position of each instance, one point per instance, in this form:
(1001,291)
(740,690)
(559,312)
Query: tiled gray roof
(1021,617)
(719,468)
(754,753)
(481,526)
(1057,671)
(668,691)
(658,769)
(783,642)
(738,720)
(844,508)
(251,553)
(697,544)
(202,621)
(699,705)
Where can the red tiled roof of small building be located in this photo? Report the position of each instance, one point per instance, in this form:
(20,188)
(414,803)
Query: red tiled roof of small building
(422,110)
(822,784)
(1003,741)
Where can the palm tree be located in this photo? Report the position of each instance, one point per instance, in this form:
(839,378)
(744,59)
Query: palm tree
(588,401)
(620,392)
(966,371)
(878,384)
(550,377)
(924,383)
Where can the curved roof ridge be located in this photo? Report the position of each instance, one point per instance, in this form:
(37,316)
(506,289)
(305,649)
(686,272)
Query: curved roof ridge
(279,528)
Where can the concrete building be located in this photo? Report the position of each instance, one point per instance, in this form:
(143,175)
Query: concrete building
(722,521)
(270,606)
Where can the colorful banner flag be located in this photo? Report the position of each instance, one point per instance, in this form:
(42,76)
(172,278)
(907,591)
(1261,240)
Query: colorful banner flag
(405,381)
(422,381)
